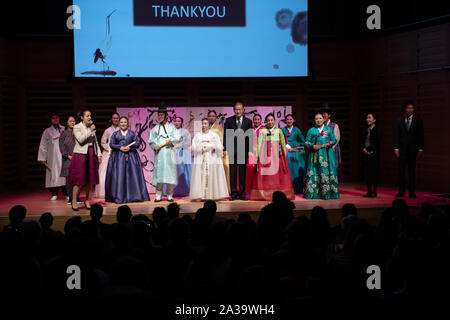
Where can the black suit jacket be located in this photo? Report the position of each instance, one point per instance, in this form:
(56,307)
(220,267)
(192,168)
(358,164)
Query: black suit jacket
(230,123)
(409,140)
(374,141)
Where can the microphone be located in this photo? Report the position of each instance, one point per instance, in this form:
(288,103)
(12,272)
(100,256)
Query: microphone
(90,124)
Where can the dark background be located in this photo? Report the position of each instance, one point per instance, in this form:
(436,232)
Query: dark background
(354,69)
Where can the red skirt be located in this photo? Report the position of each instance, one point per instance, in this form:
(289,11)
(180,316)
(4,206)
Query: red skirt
(83,168)
(272,175)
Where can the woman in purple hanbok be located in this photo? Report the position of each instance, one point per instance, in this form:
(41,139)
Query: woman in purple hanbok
(124,177)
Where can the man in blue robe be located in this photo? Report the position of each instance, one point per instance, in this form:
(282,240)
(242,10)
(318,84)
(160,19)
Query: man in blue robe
(162,139)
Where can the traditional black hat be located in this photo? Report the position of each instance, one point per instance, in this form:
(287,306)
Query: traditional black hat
(325,108)
(162,107)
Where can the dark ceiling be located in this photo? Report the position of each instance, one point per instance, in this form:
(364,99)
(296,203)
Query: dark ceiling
(329,19)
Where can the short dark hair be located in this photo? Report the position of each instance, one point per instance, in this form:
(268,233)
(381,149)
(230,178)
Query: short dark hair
(238,103)
(17,214)
(181,118)
(257,115)
(96,211)
(173,210)
(83,112)
(372,113)
(124,213)
(213,111)
(349,209)
(211,206)
(289,115)
(407,103)
(46,220)
(269,115)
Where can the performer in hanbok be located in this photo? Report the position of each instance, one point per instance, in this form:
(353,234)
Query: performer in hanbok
(50,156)
(272,172)
(184,160)
(295,143)
(100,188)
(66,145)
(83,170)
(326,113)
(162,139)
(251,164)
(217,128)
(208,176)
(321,172)
(124,177)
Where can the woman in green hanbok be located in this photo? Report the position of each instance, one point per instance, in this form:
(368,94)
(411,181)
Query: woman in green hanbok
(295,153)
(321,173)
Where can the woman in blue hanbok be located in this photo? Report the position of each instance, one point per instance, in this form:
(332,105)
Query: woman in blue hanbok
(295,143)
(184,160)
(321,173)
(124,177)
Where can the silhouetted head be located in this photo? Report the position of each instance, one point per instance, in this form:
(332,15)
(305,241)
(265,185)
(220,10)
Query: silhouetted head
(173,211)
(96,212)
(159,214)
(211,206)
(124,214)
(349,209)
(46,220)
(17,214)
(278,196)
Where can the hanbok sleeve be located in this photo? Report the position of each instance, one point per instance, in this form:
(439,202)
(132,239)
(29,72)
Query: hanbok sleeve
(63,146)
(301,138)
(196,147)
(337,133)
(152,138)
(218,147)
(136,140)
(309,142)
(104,141)
(186,143)
(261,138)
(114,142)
(42,153)
(282,140)
(332,138)
(175,136)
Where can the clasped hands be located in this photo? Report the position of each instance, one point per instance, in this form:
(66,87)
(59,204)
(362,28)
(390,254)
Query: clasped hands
(168,143)
(326,145)
(295,149)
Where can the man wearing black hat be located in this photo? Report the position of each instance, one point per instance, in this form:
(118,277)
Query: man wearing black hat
(50,156)
(162,139)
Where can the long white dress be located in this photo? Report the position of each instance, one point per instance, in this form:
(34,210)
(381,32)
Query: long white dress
(100,187)
(49,152)
(208,179)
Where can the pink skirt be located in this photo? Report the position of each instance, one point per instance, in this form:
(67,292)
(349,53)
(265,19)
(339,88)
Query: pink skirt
(83,168)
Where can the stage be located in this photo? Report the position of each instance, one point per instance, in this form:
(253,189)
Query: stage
(37,202)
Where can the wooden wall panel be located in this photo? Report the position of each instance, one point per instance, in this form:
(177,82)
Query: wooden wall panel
(375,75)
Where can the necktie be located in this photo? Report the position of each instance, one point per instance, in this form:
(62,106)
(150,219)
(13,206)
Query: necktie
(239,123)
(408,123)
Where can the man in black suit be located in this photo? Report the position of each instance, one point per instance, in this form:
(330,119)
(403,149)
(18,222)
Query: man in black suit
(408,145)
(236,149)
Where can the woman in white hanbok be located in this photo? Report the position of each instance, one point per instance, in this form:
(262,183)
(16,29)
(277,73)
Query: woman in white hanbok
(100,188)
(208,179)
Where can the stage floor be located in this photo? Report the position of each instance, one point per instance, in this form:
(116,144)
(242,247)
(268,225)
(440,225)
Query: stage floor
(38,202)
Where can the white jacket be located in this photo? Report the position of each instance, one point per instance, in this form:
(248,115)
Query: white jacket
(84,136)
